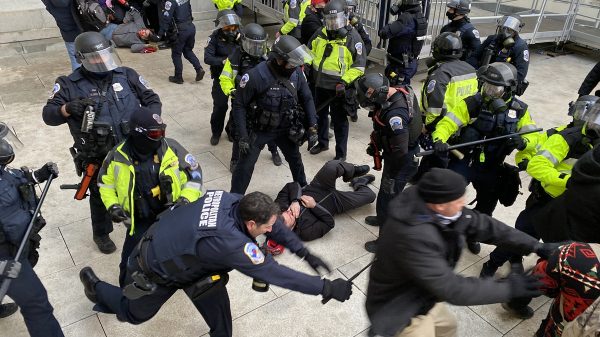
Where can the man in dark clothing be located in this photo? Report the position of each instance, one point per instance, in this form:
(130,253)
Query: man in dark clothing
(590,82)
(132,33)
(413,272)
(313,21)
(61,11)
(309,211)
(462,26)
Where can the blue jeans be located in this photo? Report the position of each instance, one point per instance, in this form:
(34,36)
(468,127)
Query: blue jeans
(108,31)
(71,51)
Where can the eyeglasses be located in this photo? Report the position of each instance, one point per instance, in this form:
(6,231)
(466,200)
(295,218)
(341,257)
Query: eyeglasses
(154,134)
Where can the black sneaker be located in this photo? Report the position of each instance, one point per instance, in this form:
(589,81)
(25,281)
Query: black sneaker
(361,170)
(520,312)
(339,158)
(8,309)
(276,158)
(89,280)
(362,181)
(371,220)
(200,74)
(174,79)
(214,140)
(318,149)
(371,246)
(105,244)
(488,270)
(474,247)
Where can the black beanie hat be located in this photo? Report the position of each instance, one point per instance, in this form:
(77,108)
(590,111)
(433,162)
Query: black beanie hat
(145,118)
(439,186)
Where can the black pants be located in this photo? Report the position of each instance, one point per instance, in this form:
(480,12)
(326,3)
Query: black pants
(339,118)
(141,226)
(242,175)
(220,106)
(185,45)
(101,222)
(484,179)
(403,72)
(29,294)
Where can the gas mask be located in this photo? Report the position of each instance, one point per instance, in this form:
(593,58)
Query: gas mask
(451,16)
(490,91)
(230,33)
(507,36)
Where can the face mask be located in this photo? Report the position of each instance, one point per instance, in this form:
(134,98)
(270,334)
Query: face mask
(451,16)
(230,36)
(451,218)
(281,70)
(143,145)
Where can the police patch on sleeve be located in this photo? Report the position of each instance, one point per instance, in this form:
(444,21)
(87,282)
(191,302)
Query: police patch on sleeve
(293,4)
(255,255)
(526,55)
(144,82)
(476,33)
(430,86)
(512,113)
(191,160)
(244,80)
(359,48)
(168,5)
(396,123)
(55,89)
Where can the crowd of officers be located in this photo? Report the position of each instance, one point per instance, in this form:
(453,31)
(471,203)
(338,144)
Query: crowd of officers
(468,116)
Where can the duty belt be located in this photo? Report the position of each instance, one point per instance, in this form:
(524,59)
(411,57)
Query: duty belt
(141,257)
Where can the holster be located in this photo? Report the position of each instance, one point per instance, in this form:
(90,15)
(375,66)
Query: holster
(139,287)
(203,286)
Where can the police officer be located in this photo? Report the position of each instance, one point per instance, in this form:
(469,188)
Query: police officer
(505,46)
(294,12)
(194,247)
(235,5)
(176,23)
(461,25)
(496,112)
(266,109)
(313,20)
(164,174)
(550,170)
(405,37)
(114,92)
(340,58)
(62,13)
(17,205)
(354,19)
(221,43)
(252,51)
(396,129)
(449,80)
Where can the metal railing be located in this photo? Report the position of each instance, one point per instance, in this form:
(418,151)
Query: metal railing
(556,21)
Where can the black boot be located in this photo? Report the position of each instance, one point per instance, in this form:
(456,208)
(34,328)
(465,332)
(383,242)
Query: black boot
(214,140)
(200,74)
(276,158)
(105,244)
(175,79)
(89,280)
(488,270)
(371,220)
(371,246)
(474,247)
(361,170)
(362,181)
(8,309)
(521,312)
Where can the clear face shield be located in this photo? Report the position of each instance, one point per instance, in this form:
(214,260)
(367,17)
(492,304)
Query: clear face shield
(299,56)
(511,23)
(254,47)
(579,109)
(101,61)
(229,20)
(592,125)
(335,21)
(491,90)
(9,144)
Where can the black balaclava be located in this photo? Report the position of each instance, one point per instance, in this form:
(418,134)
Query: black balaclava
(281,70)
(142,120)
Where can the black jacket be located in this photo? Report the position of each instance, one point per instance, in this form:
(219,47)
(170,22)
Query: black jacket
(415,260)
(310,25)
(61,12)
(590,81)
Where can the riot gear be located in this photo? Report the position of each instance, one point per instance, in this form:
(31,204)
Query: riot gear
(254,39)
(336,18)
(496,75)
(95,53)
(147,131)
(372,91)
(352,5)
(592,122)
(8,143)
(581,107)
(447,46)
(402,5)
(508,27)
(289,49)
(229,24)
(461,7)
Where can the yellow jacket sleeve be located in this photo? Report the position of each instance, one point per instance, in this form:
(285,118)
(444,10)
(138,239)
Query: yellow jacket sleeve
(451,122)
(542,166)
(106,182)
(227,78)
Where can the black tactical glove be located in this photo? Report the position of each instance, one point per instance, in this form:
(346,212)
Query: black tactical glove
(43,173)
(440,149)
(544,250)
(117,213)
(524,285)
(313,137)
(232,93)
(314,261)
(76,108)
(10,268)
(244,146)
(338,289)
(516,142)
(180,202)
(522,165)
(340,90)
(371,150)
(153,37)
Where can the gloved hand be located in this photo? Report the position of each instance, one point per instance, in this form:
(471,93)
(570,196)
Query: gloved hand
(524,285)
(77,107)
(544,250)
(516,142)
(371,150)
(180,202)
(42,174)
(244,146)
(340,90)
(313,137)
(232,93)
(338,289)
(117,213)
(153,37)
(522,165)
(10,268)
(440,149)
(315,262)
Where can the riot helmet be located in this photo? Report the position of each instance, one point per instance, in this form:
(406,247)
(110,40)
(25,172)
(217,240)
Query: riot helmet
(592,122)
(508,27)
(287,48)
(372,91)
(95,53)
(458,7)
(229,24)
(447,46)
(581,107)
(254,39)
(403,5)
(335,15)
(147,131)
(9,142)
(351,6)
(498,80)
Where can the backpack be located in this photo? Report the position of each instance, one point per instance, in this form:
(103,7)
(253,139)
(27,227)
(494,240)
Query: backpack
(91,15)
(587,324)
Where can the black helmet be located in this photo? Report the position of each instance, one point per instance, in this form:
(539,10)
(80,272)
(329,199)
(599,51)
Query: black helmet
(95,53)
(352,5)
(372,90)
(580,108)
(7,154)
(461,7)
(289,49)
(8,142)
(592,122)
(227,17)
(499,79)
(402,5)
(254,39)
(335,15)
(510,23)
(447,46)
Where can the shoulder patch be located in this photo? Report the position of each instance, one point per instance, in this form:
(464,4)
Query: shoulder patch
(359,48)
(157,118)
(191,160)
(55,89)
(476,33)
(430,86)
(166,13)
(244,80)
(168,5)
(255,255)
(144,82)
(293,4)
(526,55)
(512,113)
(396,123)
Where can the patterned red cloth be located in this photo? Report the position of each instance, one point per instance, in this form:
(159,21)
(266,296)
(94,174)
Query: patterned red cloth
(571,272)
